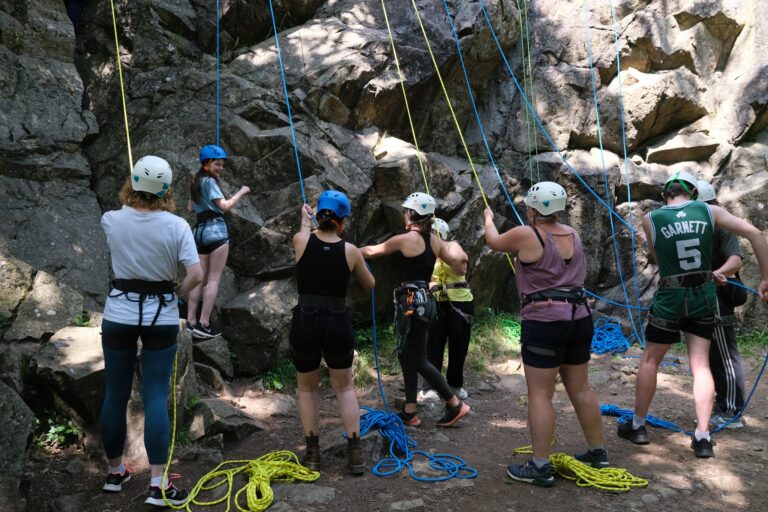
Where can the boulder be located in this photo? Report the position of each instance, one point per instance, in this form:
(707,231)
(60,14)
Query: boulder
(257,322)
(682,147)
(214,352)
(48,307)
(14,362)
(15,437)
(211,377)
(16,277)
(214,416)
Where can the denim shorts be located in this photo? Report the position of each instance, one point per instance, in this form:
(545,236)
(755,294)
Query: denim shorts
(210,235)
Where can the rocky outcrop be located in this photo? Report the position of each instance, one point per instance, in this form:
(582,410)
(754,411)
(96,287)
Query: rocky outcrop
(214,416)
(15,437)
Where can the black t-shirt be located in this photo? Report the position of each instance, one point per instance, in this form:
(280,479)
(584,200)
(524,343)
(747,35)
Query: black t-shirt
(323,269)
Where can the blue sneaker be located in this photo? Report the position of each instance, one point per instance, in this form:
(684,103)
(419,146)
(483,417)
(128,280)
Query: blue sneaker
(529,473)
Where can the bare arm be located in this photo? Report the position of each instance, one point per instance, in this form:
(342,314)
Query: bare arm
(454,256)
(190,208)
(650,251)
(741,227)
(512,241)
(727,269)
(359,268)
(228,204)
(193,278)
(390,246)
(301,238)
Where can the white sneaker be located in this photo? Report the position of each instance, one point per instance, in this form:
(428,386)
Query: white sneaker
(461,393)
(428,394)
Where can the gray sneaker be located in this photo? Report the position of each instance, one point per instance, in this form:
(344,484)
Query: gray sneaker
(529,473)
(721,420)
(461,393)
(598,459)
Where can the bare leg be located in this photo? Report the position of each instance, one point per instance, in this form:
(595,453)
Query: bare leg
(217,262)
(343,385)
(703,385)
(541,414)
(193,300)
(584,400)
(307,396)
(645,386)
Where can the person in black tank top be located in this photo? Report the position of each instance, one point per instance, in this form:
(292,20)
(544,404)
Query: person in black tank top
(321,326)
(415,307)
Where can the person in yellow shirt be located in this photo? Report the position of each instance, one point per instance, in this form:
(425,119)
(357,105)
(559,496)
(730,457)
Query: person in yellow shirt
(455,312)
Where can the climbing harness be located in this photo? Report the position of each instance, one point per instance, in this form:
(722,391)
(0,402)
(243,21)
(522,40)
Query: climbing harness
(142,290)
(414,300)
(606,479)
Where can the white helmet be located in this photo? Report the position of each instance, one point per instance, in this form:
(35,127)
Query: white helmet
(421,203)
(546,197)
(152,174)
(686,179)
(441,227)
(706,191)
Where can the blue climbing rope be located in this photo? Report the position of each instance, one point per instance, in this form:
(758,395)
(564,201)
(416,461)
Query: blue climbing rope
(608,338)
(605,170)
(287,103)
(541,126)
(617,304)
(218,75)
(626,167)
(477,114)
(401,446)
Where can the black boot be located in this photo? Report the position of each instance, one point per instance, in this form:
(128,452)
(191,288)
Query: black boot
(312,455)
(355,464)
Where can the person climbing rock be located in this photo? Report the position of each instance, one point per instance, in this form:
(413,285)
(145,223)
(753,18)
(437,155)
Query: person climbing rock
(321,325)
(455,312)
(724,356)
(415,307)
(211,237)
(556,326)
(682,235)
(146,242)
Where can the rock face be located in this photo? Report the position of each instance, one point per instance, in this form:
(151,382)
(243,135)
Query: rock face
(15,436)
(214,416)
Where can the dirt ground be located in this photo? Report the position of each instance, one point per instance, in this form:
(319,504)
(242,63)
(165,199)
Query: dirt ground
(485,439)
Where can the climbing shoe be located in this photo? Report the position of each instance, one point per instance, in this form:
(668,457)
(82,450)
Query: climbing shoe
(639,436)
(453,414)
(355,464)
(173,494)
(312,455)
(202,332)
(598,458)
(721,420)
(115,481)
(703,448)
(409,418)
(529,473)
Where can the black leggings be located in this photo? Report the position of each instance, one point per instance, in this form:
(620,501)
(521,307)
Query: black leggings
(412,353)
(454,326)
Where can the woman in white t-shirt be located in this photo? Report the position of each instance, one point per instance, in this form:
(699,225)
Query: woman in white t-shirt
(146,243)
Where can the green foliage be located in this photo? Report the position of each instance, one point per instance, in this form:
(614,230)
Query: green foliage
(5,322)
(495,334)
(192,402)
(753,343)
(56,432)
(83,319)
(281,376)
(365,367)
(183,438)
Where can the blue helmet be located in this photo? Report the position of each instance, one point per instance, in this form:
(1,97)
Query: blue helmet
(334,201)
(212,152)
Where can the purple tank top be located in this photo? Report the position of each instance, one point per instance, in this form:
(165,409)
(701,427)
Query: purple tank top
(551,271)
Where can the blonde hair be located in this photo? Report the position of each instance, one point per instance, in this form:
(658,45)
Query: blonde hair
(138,199)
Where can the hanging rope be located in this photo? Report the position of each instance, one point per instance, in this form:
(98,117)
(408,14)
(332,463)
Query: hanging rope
(605,170)
(607,479)
(122,87)
(218,74)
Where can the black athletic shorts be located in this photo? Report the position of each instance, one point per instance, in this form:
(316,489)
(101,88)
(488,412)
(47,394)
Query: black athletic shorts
(551,344)
(667,332)
(321,332)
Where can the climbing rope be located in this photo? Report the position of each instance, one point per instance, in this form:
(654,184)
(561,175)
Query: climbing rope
(122,88)
(607,479)
(608,337)
(218,73)
(605,170)
(401,446)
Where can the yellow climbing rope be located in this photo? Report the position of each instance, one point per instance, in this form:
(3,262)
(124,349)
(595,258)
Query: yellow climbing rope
(453,113)
(122,88)
(280,466)
(607,479)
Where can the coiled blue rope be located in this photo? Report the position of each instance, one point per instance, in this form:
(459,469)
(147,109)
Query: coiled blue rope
(608,338)
(401,445)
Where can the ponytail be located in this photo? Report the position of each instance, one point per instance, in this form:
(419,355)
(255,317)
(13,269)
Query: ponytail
(194,187)
(423,221)
(327,221)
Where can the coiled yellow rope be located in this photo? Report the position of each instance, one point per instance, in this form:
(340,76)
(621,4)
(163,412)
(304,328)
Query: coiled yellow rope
(607,479)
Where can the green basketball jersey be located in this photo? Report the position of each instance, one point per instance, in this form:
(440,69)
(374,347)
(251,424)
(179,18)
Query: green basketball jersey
(683,238)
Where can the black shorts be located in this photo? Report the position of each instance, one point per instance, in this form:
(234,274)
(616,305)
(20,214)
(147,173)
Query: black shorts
(321,332)
(208,249)
(551,344)
(667,332)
